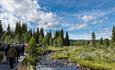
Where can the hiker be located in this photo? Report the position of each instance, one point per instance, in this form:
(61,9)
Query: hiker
(6,51)
(22,49)
(12,53)
(2,48)
(16,46)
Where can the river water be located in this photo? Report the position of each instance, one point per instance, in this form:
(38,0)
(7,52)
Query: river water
(47,64)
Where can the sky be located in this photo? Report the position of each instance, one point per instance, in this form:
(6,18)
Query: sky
(77,17)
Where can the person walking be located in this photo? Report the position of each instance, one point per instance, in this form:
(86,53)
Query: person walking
(22,49)
(5,46)
(12,53)
(6,51)
(18,51)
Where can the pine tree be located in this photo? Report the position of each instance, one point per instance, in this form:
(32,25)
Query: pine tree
(30,33)
(93,39)
(24,28)
(101,41)
(41,36)
(42,32)
(8,30)
(113,34)
(67,42)
(62,36)
(37,34)
(107,42)
(50,40)
(50,34)
(26,37)
(55,39)
(44,41)
(47,38)
(18,28)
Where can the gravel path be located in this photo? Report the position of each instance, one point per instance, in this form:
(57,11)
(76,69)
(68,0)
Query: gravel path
(7,67)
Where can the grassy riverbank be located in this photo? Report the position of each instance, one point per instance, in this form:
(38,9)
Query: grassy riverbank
(94,58)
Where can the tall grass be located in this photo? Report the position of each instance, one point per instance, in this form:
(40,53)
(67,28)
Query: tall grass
(92,57)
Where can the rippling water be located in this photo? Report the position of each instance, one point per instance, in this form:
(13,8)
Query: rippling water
(46,64)
(63,68)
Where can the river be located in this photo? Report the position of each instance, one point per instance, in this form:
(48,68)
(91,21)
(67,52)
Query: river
(47,64)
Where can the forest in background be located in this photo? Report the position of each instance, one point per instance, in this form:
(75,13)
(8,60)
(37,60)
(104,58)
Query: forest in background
(21,34)
(94,54)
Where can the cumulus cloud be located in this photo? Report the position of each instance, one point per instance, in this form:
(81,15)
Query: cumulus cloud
(48,20)
(27,11)
(93,17)
(87,18)
(78,26)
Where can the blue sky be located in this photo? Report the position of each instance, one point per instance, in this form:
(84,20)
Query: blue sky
(78,17)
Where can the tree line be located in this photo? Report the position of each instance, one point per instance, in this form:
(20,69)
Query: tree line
(106,41)
(58,38)
(22,34)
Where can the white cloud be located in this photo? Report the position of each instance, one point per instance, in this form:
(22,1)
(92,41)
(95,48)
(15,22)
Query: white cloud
(48,20)
(8,19)
(26,11)
(87,18)
(93,16)
(78,26)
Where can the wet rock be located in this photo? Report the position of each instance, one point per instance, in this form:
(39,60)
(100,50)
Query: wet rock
(78,65)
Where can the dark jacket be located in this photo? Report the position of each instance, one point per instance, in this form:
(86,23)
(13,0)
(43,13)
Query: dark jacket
(12,53)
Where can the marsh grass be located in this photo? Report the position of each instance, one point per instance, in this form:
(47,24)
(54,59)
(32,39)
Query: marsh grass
(90,57)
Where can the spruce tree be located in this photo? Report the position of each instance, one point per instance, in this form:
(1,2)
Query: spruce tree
(113,34)
(51,39)
(42,32)
(24,28)
(101,41)
(8,29)
(37,35)
(50,34)
(18,28)
(107,42)
(47,38)
(41,36)
(93,39)
(67,42)
(30,32)
(62,36)
(56,38)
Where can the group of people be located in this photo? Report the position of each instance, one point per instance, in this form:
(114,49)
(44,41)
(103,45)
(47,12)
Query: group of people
(12,53)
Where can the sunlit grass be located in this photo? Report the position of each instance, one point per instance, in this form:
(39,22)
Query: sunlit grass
(91,57)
